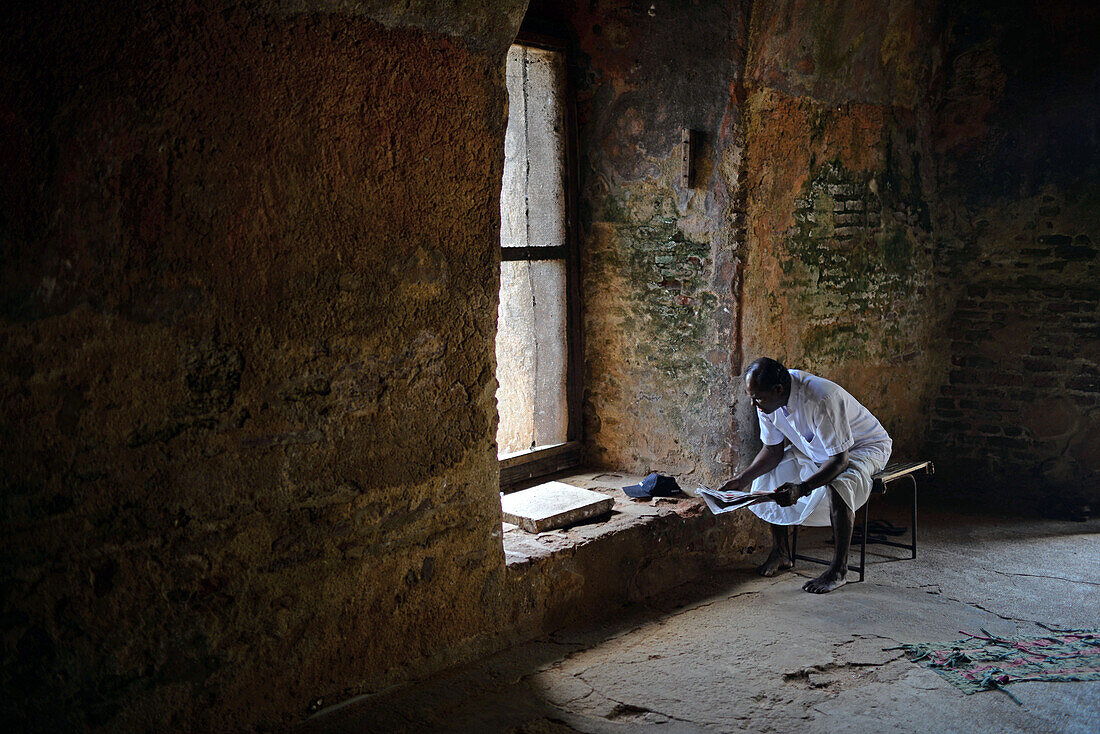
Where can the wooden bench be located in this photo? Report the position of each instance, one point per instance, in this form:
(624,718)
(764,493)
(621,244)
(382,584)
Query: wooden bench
(880,481)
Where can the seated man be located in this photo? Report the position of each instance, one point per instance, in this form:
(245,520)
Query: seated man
(824,476)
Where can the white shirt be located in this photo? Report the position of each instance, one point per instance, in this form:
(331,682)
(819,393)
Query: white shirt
(821,419)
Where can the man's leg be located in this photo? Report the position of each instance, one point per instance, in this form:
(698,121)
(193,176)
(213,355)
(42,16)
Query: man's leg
(780,557)
(842,519)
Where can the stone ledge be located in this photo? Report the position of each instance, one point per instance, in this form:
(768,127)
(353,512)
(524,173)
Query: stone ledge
(581,573)
(521,546)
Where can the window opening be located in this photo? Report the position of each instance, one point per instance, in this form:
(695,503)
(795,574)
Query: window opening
(535,322)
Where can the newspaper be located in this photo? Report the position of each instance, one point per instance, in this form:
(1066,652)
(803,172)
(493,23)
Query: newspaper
(720,502)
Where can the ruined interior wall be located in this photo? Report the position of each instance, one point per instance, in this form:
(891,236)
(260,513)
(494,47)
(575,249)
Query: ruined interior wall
(1018,136)
(839,274)
(659,262)
(249,283)
(922,188)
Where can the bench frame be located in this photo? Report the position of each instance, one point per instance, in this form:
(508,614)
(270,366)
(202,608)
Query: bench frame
(879,483)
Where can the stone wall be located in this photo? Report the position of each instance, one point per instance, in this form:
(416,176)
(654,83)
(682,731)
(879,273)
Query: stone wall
(921,188)
(1017,136)
(249,292)
(839,271)
(1020,407)
(660,264)
(249,282)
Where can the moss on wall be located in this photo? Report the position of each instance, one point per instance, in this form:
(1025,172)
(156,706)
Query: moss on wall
(918,206)
(850,258)
(840,170)
(659,260)
(840,268)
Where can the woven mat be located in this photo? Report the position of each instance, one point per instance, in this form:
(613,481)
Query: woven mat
(987,662)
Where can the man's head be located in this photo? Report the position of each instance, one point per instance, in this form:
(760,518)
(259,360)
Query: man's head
(768,384)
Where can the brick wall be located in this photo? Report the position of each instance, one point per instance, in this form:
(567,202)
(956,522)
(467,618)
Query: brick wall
(1016,215)
(1020,406)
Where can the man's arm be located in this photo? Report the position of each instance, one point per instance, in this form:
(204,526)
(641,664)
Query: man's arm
(767,459)
(788,494)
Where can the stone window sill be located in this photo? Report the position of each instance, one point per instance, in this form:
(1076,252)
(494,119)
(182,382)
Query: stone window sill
(521,547)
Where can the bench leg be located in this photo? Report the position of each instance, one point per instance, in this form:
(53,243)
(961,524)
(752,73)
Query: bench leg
(793,544)
(861,568)
(863,540)
(913,547)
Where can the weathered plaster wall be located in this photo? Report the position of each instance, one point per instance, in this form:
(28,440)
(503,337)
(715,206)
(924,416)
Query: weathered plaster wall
(660,265)
(839,272)
(249,282)
(921,188)
(1018,136)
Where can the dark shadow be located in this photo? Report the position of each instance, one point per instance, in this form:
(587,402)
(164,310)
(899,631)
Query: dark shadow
(495,691)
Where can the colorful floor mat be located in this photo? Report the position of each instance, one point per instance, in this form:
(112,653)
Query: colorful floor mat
(987,662)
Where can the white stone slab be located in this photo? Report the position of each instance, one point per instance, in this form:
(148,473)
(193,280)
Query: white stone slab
(553,505)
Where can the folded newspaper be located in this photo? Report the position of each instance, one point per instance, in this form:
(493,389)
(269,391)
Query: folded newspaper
(720,502)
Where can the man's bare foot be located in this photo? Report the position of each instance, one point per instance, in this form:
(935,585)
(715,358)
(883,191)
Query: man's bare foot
(826,582)
(778,560)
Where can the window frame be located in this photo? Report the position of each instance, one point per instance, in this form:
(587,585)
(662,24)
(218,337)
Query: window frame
(530,465)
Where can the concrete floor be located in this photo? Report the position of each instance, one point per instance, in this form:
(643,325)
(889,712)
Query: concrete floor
(744,653)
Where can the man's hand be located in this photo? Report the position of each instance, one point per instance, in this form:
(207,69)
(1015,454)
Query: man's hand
(789,493)
(736,484)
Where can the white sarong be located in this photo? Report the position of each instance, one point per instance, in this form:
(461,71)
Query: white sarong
(853,485)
